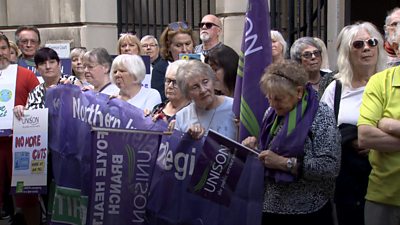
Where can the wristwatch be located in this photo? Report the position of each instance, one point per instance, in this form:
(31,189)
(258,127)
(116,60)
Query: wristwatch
(290,163)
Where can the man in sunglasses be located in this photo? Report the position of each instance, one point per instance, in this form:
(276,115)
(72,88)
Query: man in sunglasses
(210,29)
(392,22)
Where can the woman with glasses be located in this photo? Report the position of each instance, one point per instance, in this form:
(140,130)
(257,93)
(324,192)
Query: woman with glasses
(127,73)
(299,147)
(307,52)
(129,44)
(175,99)
(176,38)
(360,55)
(206,111)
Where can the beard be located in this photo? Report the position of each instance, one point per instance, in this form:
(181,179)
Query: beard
(204,37)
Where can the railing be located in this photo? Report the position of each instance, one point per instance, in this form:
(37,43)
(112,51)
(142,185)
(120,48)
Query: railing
(143,17)
(299,18)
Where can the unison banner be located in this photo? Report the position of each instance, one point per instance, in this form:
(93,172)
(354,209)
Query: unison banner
(171,202)
(72,113)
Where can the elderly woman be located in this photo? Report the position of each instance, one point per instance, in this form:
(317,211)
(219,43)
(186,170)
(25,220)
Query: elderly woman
(361,54)
(224,61)
(78,70)
(176,38)
(127,73)
(207,111)
(307,52)
(97,64)
(175,99)
(129,44)
(300,149)
(279,46)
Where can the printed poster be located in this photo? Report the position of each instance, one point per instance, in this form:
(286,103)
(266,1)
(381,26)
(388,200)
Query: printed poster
(30,152)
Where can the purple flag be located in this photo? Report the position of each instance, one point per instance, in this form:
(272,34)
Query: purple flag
(249,102)
(171,202)
(218,168)
(72,113)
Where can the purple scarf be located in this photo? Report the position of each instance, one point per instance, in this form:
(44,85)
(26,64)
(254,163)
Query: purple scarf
(290,139)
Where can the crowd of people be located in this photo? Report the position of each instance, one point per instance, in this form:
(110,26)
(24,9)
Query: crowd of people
(329,139)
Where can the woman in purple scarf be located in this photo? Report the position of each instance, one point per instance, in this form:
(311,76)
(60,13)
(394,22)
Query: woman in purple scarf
(300,149)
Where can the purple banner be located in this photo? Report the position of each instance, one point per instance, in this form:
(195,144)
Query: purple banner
(249,102)
(72,113)
(171,202)
(218,169)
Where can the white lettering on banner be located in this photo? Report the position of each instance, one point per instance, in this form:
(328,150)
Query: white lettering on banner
(116,184)
(92,115)
(253,38)
(141,185)
(216,169)
(182,163)
(101,168)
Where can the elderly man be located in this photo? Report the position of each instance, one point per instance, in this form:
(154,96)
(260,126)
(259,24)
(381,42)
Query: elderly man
(210,29)
(18,81)
(28,41)
(391,22)
(379,130)
(150,47)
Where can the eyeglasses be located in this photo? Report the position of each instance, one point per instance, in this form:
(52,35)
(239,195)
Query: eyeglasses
(169,81)
(128,33)
(149,45)
(308,55)
(26,41)
(372,42)
(176,25)
(208,25)
(90,66)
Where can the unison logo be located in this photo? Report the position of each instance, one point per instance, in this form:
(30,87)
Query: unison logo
(30,120)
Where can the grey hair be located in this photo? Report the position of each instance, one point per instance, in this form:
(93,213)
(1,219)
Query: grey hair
(132,63)
(345,38)
(388,20)
(276,35)
(299,45)
(77,52)
(100,56)
(324,53)
(189,70)
(149,37)
(174,66)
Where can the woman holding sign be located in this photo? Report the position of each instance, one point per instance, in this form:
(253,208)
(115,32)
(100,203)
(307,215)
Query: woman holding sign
(300,149)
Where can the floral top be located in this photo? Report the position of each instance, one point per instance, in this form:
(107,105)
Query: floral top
(318,170)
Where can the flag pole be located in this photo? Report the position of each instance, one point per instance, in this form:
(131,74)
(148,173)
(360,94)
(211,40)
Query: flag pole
(103,129)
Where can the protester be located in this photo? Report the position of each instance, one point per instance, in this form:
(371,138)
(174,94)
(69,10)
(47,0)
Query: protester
(129,44)
(210,29)
(224,61)
(378,130)
(78,70)
(307,52)
(175,99)
(28,41)
(127,73)
(324,55)
(391,22)
(300,149)
(279,47)
(176,38)
(150,47)
(24,81)
(97,64)
(196,81)
(357,62)
(14,52)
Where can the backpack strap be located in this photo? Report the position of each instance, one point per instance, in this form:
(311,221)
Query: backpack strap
(338,94)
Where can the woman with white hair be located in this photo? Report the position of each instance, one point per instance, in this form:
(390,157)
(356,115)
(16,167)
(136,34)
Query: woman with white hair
(360,55)
(127,73)
(279,47)
(196,81)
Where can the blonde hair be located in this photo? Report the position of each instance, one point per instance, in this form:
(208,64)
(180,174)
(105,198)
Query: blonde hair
(130,38)
(15,47)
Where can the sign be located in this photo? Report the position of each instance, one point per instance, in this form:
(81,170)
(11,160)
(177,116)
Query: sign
(30,152)
(8,80)
(63,49)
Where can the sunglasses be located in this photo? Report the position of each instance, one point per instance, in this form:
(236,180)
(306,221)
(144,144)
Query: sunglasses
(207,24)
(308,55)
(372,42)
(175,26)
